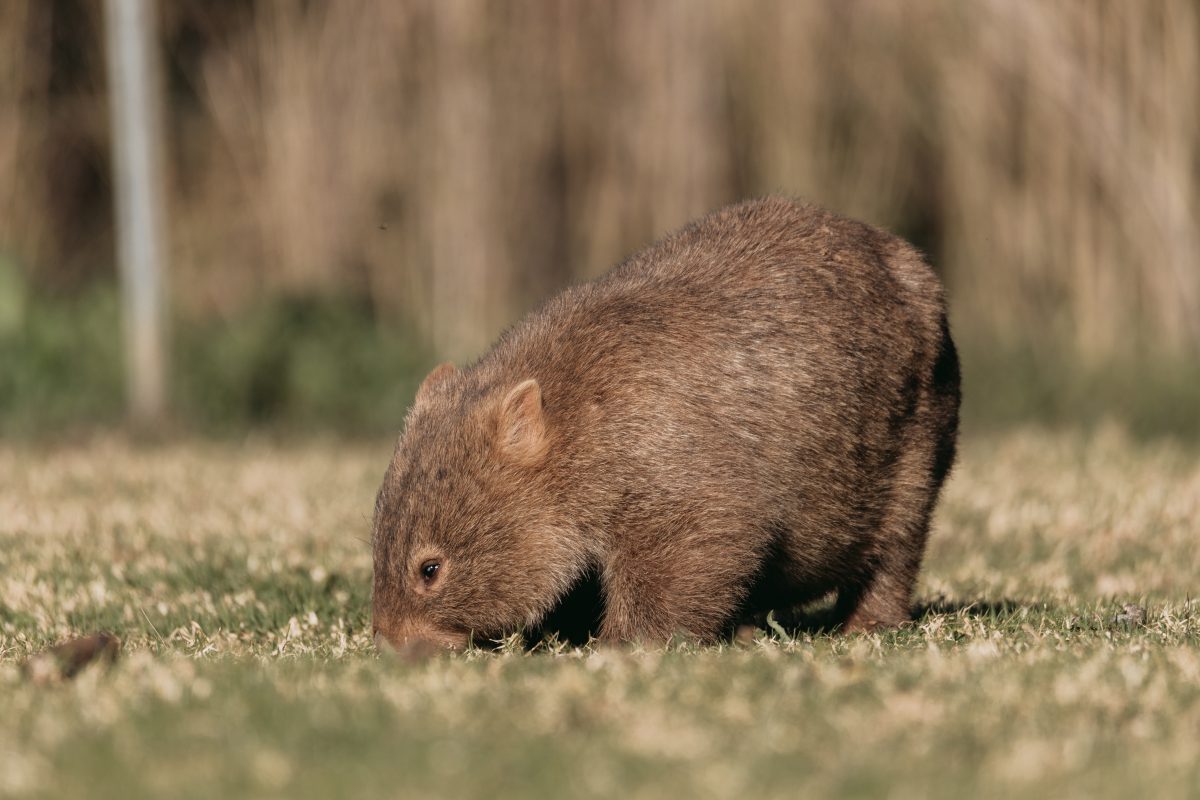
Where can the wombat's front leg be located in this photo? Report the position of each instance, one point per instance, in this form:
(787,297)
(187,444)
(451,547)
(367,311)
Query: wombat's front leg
(630,619)
(649,597)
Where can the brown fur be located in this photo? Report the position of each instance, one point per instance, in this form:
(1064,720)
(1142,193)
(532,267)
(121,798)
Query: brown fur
(756,411)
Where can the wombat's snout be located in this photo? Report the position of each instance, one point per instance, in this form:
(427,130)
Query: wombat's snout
(413,642)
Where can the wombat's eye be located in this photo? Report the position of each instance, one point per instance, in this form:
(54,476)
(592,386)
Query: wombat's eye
(429,570)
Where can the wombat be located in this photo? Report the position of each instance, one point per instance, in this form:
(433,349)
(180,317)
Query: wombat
(755,412)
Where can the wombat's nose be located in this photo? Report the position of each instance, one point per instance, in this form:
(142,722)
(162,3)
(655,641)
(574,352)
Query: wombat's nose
(410,649)
(411,640)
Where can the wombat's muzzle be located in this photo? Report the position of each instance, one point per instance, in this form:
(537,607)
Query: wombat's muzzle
(411,643)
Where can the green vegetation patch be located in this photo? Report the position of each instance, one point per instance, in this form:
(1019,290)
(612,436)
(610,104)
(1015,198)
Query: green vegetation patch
(974,711)
(290,364)
(1056,651)
(302,363)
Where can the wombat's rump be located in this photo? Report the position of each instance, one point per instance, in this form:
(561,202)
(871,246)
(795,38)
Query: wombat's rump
(756,411)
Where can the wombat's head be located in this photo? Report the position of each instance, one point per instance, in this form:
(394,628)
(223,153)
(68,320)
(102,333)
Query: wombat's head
(467,537)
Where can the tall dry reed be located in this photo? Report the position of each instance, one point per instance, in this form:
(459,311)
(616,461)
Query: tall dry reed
(454,161)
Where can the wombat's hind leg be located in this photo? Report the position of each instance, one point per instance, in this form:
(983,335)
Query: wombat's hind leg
(883,601)
(884,598)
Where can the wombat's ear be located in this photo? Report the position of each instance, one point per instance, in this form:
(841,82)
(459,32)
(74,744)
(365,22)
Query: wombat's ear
(522,430)
(440,374)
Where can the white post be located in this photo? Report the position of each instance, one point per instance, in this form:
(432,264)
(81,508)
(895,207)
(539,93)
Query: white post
(134,105)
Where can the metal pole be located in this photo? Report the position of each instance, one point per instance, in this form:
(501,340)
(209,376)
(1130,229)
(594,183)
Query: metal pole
(134,106)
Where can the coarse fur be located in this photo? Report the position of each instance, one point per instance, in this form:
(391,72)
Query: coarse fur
(756,411)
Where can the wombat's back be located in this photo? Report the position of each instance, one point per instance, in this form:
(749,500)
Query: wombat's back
(763,314)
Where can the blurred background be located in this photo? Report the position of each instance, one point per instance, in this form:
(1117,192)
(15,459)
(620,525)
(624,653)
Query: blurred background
(357,189)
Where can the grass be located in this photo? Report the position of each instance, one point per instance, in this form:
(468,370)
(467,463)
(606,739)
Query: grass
(291,364)
(296,364)
(1149,394)
(238,573)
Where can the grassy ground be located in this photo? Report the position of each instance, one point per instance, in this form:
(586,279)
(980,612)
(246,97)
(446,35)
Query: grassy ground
(237,574)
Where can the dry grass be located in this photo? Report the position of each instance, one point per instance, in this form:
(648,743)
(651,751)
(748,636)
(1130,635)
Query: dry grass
(238,577)
(455,161)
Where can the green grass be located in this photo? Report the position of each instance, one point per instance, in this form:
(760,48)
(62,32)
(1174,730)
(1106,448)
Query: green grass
(238,575)
(297,364)
(289,364)
(1149,394)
